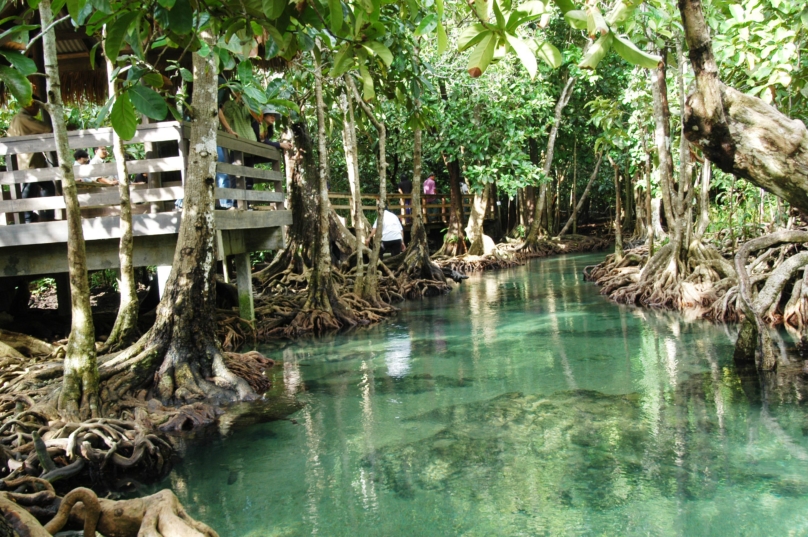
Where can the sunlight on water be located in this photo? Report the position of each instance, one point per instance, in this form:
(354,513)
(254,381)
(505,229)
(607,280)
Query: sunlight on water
(523,403)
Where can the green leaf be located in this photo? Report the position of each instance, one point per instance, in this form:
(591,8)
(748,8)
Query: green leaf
(256,95)
(596,52)
(629,52)
(23,64)
(102,114)
(186,74)
(471,36)
(154,80)
(116,32)
(427,25)
(342,61)
(577,19)
(533,7)
(16,82)
(439,8)
(525,54)
(148,102)
(284,103)
(595,23)
(368,93)
(565,6)
(619,13)
(374,47)
(123,117)
(443,41)
(74,8)
(483,9)
(273,9)
(181,17)
(335,16)
(481,55)
(245,71)
(498,15)
(550,54)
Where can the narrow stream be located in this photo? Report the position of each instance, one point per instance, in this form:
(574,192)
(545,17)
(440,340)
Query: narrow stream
(522,403)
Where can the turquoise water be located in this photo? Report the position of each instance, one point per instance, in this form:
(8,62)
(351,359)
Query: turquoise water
(523,403)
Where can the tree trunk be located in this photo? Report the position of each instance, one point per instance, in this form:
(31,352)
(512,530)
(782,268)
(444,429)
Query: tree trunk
(573,218)
(618,227)
(351,159)
(739,133)
(671,202)
(79,395)
(474,229)
(454,242)
(539,214)
(417,265)
(124,331)
(323,309)
(180,356)
(371,289)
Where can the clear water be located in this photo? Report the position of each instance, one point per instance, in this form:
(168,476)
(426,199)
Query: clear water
(523,403)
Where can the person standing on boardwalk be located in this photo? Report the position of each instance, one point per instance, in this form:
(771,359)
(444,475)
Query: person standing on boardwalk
(25,123)
(392,233)
(429,193)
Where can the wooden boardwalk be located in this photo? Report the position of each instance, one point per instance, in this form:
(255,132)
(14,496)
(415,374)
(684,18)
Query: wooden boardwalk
(38,249)
(436,211)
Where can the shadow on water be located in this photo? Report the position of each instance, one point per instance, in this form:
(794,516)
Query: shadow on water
(523,403)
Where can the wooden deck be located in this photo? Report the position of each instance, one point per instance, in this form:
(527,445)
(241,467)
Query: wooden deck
(436,212)
(38,249)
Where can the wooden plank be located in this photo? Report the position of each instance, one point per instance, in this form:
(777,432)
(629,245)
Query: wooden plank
(228,141)
(165,164)
(247,195)
(245,171)
(36,260)
(109,196)
(250,219)
(106,227)
(246,307)
(154,132)
(259,240)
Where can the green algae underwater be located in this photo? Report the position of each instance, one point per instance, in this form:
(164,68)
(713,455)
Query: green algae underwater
(522,403)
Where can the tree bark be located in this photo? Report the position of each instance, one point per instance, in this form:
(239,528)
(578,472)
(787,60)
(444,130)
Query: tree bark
(351,159)
(124,331)
(474,229)
(79,395)
(454,242)
(180,353)
(573,217)
(323,309)
(618,227)
(741,134)
(371,289)
(539,212)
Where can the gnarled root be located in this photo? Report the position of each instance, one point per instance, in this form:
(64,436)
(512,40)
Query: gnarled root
(158,515)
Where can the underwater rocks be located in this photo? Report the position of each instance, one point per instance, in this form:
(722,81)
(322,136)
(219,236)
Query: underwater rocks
(577,449)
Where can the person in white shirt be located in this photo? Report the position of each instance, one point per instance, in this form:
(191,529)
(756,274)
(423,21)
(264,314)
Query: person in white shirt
(100,156)
(392,233)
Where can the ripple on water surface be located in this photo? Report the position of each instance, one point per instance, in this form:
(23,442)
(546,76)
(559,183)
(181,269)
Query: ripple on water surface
(523,403)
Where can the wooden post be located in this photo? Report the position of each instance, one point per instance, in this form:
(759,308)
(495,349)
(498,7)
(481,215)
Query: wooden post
(276,166)
(154,179)
(246,308)
(63,294)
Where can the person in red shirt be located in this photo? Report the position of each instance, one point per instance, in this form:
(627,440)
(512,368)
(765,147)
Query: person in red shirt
(429,194)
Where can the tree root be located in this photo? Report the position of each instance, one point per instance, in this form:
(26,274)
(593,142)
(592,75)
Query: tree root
(158,515)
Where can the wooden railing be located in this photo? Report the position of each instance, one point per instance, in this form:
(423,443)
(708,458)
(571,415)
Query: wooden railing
(157,179)
(435,211)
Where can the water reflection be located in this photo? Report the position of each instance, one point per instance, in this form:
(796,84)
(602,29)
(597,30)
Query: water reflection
(521,404)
